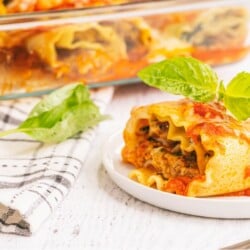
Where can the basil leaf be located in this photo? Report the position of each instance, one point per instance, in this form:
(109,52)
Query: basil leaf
(74,120)
(60,115)
(237,96)
(183,76)
(56,98)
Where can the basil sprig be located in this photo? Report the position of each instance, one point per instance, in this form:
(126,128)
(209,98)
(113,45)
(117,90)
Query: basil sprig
(196,80)
(60,115)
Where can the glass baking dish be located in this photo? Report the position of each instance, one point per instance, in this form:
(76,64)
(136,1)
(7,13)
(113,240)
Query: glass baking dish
(108,45)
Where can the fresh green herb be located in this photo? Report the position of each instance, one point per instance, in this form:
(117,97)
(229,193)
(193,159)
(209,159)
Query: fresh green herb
(196,80)
(237,96)
(60,115)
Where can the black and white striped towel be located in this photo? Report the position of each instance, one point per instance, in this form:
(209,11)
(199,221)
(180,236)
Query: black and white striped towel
(35,177)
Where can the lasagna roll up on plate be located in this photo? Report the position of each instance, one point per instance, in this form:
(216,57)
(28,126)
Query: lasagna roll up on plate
(188,148)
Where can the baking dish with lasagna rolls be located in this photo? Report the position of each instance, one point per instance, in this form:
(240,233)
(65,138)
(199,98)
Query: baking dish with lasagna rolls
(194,146)
(46,44)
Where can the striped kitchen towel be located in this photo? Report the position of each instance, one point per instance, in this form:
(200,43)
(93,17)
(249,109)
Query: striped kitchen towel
(35,177)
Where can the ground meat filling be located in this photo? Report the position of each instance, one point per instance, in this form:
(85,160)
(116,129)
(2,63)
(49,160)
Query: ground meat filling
(165,156)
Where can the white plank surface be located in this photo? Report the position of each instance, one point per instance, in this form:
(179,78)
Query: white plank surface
(98,215)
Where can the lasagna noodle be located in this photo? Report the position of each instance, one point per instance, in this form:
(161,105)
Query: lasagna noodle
(71,37)
(197,145)
(148,178)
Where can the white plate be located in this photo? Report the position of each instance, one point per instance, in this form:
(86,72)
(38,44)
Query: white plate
(223,207)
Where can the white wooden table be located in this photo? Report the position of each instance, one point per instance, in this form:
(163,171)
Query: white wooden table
(98,215)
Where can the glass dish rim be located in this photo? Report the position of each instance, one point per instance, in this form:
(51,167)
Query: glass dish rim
(18,95)
(103,13)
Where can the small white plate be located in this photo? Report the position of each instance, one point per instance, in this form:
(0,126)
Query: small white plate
(222,207)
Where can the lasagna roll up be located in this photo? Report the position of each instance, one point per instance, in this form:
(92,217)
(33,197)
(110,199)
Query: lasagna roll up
(196,148)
